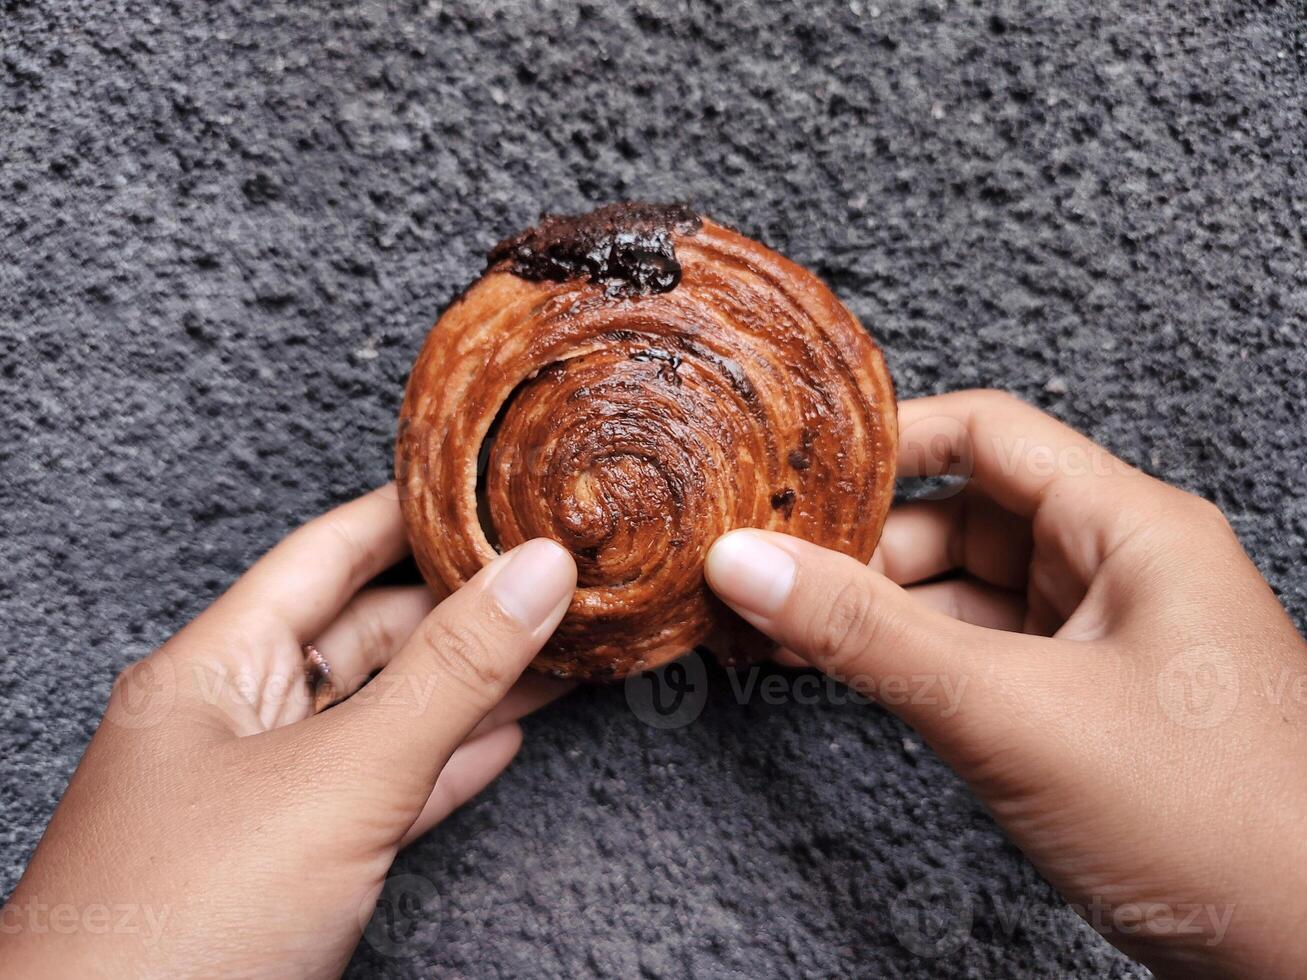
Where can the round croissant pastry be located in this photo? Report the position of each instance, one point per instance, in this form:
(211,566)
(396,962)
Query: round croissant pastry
(633,383)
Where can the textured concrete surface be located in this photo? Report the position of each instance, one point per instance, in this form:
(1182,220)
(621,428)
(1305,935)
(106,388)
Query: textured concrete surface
(226,228)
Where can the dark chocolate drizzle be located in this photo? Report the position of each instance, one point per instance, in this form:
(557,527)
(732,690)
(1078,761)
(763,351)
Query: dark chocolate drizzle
(783,500)
(626,248)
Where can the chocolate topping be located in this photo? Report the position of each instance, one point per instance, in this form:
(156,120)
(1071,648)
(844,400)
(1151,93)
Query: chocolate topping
(783,500)
(626,248)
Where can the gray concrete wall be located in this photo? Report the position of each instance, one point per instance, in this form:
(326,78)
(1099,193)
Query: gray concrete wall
(227,227)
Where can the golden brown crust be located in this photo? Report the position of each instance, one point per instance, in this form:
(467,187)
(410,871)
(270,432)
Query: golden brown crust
(636,429)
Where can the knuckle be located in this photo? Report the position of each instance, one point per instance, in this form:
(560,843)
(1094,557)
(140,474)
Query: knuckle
(465,654)
(1207,512)
(143,693)
(1188,512)
(1208,517)
(844,625)
(127,677)
(998,398)
(243,638)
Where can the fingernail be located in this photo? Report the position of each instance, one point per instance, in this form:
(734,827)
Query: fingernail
(538,576)
(749,572)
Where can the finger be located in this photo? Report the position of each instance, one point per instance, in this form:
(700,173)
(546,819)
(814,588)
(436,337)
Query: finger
(272,677)
(977,603)
(1010,450)
(307,579)
(968,531)
(369,631)
(459,663)
(923,540)
(858,626)
(1081,500)
(531,693)
(472,767)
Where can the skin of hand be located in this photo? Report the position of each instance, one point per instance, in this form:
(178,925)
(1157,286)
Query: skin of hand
(252,836)
(1132,706)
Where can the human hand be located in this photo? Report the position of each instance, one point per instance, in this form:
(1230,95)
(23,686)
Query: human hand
(252,835)
(1121,666)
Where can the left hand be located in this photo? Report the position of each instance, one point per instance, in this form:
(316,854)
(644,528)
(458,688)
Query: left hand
(247,835)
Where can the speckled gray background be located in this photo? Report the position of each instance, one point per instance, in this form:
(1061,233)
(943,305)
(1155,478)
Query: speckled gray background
(227,227)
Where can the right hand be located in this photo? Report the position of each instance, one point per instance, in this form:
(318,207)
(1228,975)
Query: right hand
(1132,698)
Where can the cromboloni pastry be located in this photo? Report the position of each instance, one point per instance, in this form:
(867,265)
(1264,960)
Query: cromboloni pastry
(634,383)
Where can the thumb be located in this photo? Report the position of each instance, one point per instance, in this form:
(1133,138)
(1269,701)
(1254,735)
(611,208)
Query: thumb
(862,629)
(458,664)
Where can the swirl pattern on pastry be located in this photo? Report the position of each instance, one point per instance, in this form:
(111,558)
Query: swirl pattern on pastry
(634,383)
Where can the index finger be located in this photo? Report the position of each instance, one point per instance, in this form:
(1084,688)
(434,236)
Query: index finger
(1011,451)
(307,579)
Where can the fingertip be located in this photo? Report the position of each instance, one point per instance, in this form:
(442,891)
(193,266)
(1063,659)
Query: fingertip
(505,739)
(534,582)
(750,572)
(716,564)
(389,491)
(561,559)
